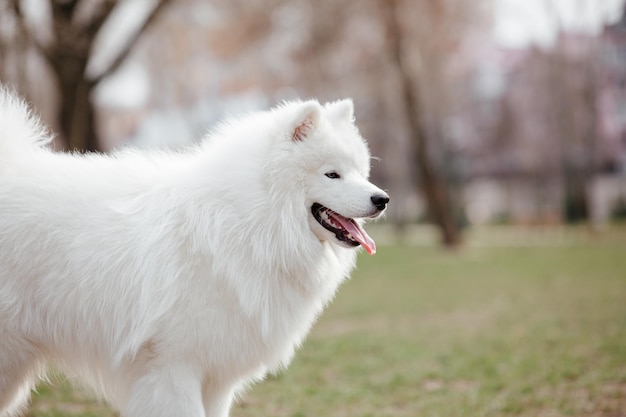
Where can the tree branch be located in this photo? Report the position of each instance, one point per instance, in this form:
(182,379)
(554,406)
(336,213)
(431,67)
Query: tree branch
(63,10)
(98,18)
(117,62)
(30,36)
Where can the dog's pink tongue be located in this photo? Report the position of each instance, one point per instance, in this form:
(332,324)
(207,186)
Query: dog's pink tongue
(358,234)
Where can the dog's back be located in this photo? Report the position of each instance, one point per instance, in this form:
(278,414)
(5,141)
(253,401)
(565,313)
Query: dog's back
(74,258)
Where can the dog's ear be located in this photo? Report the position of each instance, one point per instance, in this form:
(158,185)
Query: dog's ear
(341,110)
(306,120)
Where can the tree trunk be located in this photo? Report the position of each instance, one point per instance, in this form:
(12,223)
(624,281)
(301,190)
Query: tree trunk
(433,187)
(567,99)
(76,111)
(68,56)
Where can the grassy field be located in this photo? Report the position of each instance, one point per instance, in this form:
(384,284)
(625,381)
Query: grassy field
(491,330)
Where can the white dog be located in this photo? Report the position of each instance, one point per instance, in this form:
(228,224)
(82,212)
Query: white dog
(170,281)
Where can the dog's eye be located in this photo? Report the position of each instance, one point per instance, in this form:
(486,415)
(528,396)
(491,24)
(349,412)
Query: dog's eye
(333,175)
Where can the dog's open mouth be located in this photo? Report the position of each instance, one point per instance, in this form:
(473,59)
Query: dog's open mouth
(346,230)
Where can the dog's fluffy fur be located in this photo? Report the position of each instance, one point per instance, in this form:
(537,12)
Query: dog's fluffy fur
(169,281)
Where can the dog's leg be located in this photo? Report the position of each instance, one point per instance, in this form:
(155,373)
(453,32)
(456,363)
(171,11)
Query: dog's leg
(19,368)
(217,401)
(16,400)
(165,392)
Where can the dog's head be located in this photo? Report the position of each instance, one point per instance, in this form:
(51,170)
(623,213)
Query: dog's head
(331,164)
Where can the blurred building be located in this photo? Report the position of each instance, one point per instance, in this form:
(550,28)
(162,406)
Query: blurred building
(538,117)
(612,96)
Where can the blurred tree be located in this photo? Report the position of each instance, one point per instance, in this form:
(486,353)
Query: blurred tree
(433,36)
(67,42)
(571,76)
(400,66)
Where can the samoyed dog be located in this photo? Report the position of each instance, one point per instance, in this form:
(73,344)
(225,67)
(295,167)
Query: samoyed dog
(168,282)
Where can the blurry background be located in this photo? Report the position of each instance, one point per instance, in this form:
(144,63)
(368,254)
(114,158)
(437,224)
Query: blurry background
(500,126)
(481,111)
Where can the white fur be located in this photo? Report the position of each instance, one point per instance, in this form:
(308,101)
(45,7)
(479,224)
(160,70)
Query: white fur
(169,281)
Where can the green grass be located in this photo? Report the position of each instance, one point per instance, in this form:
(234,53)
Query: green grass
(506,330)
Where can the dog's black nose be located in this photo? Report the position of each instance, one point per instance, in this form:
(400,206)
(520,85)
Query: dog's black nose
(380,201)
